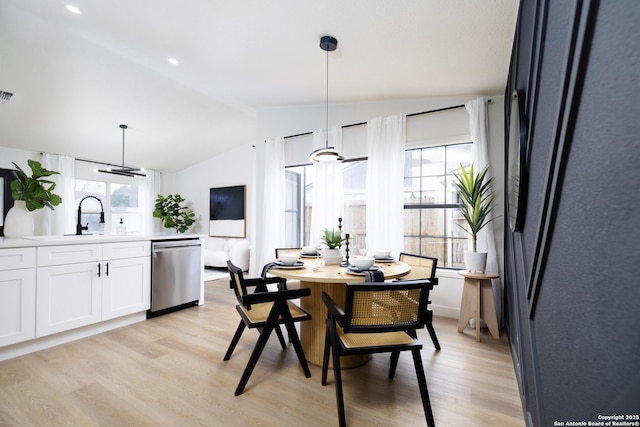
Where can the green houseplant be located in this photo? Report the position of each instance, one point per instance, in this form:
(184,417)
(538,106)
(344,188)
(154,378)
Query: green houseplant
(35,191)
(172,213)
(29,194)
(476,203)
(332,239)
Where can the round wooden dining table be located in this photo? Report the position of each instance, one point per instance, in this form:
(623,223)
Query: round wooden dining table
(331,279)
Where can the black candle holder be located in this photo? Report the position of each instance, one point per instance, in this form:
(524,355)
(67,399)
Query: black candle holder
(346,251)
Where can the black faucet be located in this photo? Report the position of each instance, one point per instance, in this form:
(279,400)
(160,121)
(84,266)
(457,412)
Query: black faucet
(79,226)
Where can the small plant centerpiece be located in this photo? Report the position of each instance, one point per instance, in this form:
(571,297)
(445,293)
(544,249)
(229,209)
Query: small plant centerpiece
(29,193)
(476,203)
(173,214)
(332,239)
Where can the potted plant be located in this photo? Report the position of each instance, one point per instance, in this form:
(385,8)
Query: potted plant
(332,239)
(476,203)
(29,194)
(172,213)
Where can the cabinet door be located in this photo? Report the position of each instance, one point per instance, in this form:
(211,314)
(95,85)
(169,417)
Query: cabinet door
(17,305)
(126,286)
(68,296)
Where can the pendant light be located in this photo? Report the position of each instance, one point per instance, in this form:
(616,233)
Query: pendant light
(124,171)
(327,154)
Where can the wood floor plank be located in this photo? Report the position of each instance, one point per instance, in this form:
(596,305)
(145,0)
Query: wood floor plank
(169,371)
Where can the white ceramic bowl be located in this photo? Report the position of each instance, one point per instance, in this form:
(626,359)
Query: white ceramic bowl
(288,259)
(381,254)
(363,263)
(309,250)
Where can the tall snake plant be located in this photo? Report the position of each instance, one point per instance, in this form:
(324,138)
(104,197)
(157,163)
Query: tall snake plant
(476,199)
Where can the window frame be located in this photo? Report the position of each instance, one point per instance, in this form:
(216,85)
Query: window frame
(110,224)
(448,238)
(449,207)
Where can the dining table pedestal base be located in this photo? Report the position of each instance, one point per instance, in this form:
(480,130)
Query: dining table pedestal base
(312,332)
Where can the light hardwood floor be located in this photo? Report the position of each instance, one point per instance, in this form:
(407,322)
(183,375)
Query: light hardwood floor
(169,371)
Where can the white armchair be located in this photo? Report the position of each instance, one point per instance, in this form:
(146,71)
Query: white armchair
(218,250)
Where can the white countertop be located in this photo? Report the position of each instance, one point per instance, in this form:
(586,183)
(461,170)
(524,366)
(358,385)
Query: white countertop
(35,241)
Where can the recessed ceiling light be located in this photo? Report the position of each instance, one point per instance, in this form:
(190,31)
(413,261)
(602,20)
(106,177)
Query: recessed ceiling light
(71,8)
(173,61)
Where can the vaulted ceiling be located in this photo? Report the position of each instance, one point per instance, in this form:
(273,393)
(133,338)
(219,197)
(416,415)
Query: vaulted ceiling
(76,77)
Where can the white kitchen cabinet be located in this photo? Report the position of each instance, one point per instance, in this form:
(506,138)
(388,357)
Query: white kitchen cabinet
(126,283)
(17,295)
(115,281)
(68,296)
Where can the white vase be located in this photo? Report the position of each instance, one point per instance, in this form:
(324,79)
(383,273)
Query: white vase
(19,221)
(332,256)
(475,262)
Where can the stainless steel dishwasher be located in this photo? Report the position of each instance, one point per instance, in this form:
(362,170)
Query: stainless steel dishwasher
(175,275)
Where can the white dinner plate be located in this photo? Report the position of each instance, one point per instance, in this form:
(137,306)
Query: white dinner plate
(298,264)
(357,272)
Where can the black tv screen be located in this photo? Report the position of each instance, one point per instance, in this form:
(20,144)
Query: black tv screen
(226,203)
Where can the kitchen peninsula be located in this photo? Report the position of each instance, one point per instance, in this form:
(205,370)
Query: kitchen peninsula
(56,289)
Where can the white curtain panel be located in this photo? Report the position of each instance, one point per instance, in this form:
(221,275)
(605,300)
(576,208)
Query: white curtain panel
(386,142)
(477,109)
(327,187)
(274,196)
(61,220)
(149,188)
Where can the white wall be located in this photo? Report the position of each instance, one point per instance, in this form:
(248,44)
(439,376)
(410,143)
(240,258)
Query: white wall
(8,155)
(235,167)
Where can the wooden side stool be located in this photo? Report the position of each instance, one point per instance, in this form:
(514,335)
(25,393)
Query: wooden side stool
(477,301)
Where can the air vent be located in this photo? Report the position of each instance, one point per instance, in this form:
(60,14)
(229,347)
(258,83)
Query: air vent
(5,96)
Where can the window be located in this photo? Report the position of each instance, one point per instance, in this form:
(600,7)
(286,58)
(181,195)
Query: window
(431,213)
(432,216)
(293,207)
(121,203)
(299,196)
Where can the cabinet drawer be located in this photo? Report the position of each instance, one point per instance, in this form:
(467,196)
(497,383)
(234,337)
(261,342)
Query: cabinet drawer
(124,250)
(14,258)
(68,254)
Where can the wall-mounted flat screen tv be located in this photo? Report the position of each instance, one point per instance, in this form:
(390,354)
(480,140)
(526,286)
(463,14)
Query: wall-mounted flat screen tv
(227,211)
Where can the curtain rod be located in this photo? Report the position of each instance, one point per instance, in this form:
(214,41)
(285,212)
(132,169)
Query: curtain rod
(437,110)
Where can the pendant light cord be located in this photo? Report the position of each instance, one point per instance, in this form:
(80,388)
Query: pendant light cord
(327,112)
(123,128)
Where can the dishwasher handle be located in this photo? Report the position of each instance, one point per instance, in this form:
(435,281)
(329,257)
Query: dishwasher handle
(174,244)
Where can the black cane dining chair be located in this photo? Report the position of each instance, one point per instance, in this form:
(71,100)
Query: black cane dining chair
(375,319)
(280,251)
(423,267)
(291,284)
(265,311)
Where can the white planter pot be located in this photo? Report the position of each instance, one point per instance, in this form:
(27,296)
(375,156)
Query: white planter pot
(19,221)
(475,262)
(332,256)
